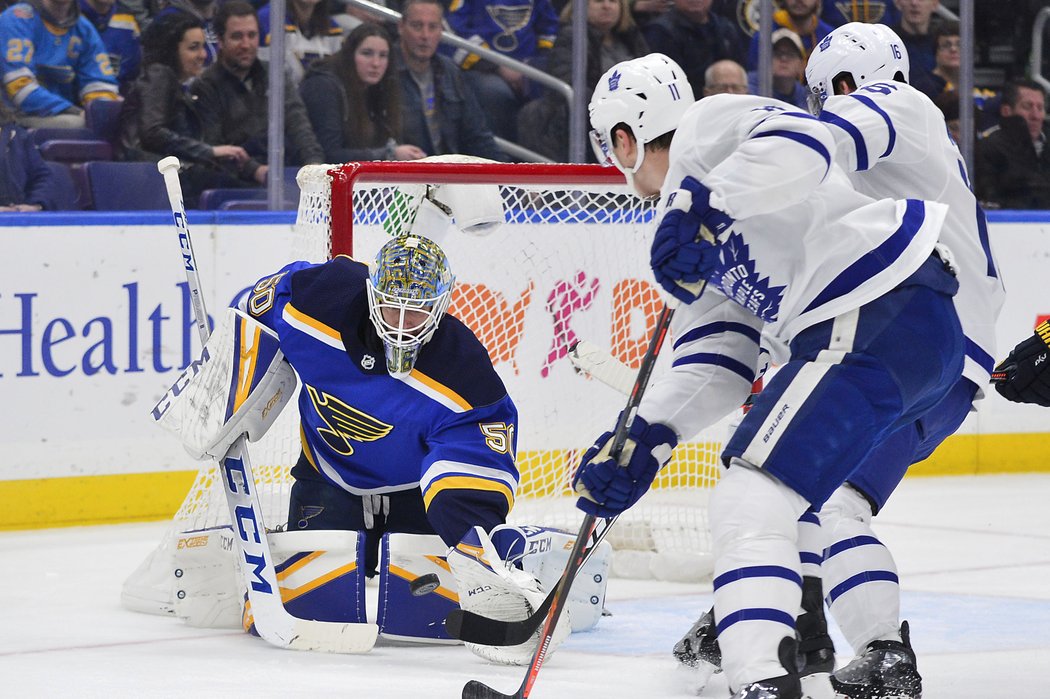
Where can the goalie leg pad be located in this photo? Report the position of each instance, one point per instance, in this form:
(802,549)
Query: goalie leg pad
(490,587)
(208,585)
(320,574)
(239,386)
(410,609)
(544,552)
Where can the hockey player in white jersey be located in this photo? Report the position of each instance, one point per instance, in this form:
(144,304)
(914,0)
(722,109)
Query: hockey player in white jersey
(849,288)
(892,141)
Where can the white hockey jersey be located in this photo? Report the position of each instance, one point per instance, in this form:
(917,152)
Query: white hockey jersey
(892,141)
(805,247)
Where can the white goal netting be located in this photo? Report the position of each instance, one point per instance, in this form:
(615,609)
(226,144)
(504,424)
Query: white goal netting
(569,262)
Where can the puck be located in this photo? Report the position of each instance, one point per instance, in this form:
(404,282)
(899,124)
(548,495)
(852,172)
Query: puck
(424,584)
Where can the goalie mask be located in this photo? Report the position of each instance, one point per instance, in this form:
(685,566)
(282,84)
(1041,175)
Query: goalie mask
(858,52)
(648,94)
(409,289)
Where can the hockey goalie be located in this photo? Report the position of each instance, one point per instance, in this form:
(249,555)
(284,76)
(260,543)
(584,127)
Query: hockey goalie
(407,469)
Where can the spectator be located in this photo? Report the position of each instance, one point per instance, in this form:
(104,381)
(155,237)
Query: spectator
(1012,160)
(53,63)
(725,76)
(204,10)
(310,34)
(946,60)
(801,17)
(232,97)
(523,31)
(788,67)
(643,11)
(836,13)
(916,31)
(120,33)
(354,103)
(612,36)
(26,182)
(694,38)
(160,118)
(440,112)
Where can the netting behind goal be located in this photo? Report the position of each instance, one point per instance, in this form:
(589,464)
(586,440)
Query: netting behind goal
(569,262)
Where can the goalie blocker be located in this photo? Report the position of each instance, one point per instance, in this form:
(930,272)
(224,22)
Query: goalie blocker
(239,386)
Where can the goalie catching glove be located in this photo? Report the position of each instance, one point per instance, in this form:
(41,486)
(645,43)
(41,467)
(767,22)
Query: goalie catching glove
(490,587)
(607,487)
(685,247)
(1024,376)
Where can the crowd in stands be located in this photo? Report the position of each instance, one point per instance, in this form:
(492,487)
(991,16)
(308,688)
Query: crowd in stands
(136,80)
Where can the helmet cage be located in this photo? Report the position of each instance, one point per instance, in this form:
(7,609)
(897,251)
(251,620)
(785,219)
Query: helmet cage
(409,290)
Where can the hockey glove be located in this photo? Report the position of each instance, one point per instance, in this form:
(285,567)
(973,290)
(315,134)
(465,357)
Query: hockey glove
(607,488)
(1024,376)
(685,247)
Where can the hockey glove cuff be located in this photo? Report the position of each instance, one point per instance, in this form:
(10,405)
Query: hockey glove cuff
(1024,376)
(606,487)
(685,247)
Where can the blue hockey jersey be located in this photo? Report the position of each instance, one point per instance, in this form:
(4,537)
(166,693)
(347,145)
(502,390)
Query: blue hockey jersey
(46,68)
(448,425)
(523,30)
(120,33)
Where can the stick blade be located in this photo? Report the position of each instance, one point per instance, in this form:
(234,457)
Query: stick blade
(332,637)
(478,690)
(475,628)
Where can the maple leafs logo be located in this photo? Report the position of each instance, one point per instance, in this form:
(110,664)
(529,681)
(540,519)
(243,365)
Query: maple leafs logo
(742,283)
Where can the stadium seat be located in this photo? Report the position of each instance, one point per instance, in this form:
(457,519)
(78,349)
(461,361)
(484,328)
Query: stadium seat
(103,118)
(212,199)
(244,205)
(70,151)
(49,133)
(118,186)
(82,187)
(65,189)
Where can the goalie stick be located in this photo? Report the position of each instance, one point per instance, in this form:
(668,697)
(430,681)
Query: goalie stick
(478,690)
(273,622)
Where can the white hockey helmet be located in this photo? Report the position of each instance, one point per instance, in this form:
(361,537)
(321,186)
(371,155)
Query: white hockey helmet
(858,51)
(648,94)
(411,281)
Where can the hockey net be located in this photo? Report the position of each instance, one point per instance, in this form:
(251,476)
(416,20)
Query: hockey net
(570,261)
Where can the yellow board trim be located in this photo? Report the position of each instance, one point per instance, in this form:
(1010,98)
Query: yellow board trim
(137,497)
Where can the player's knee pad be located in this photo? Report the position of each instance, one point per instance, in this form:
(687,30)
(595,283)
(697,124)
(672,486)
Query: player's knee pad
(208,587)
(846,503)
(544,553)
(749,503)
(416,589)
(490,587)
(321,576)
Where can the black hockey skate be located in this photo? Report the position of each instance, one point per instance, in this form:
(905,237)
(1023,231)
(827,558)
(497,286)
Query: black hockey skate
(885,671)
(699,648)
(816,650)
(784,687)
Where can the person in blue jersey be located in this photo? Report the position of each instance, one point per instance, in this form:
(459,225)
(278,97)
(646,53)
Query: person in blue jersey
(406,427)
(53,63)
(119,31)
(852,295)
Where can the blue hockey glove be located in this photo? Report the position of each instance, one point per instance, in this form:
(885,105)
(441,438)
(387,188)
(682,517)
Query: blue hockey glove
(685,247)
(607,488)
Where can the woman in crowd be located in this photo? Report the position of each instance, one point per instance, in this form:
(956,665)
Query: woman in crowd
(354,103)
(612,37)
(159,116)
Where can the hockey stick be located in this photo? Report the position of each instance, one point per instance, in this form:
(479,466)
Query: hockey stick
(272,620)
(478,690)
(591,360)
